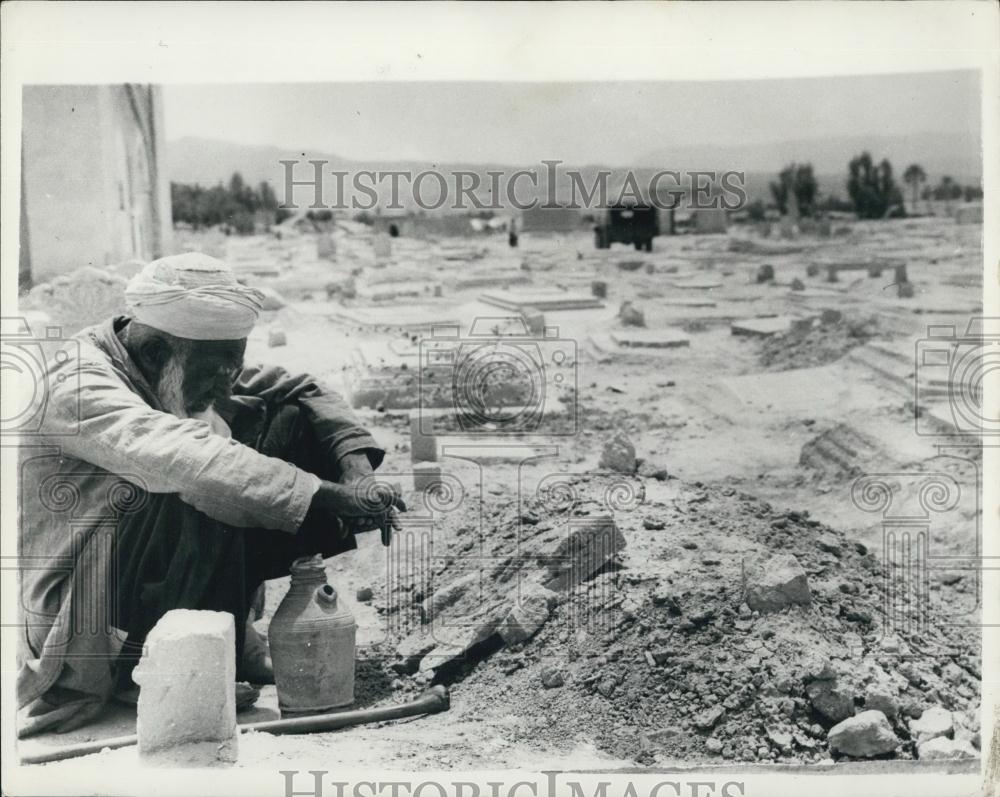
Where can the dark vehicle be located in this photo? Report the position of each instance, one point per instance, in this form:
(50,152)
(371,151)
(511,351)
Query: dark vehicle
(628,224)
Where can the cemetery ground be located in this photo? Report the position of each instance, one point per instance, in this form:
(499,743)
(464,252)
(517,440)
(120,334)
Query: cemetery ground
(689,550)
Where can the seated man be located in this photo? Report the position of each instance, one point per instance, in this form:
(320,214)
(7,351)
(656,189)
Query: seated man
(167,475)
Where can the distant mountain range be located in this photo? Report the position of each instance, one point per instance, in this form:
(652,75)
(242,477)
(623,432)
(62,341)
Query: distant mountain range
(205,161)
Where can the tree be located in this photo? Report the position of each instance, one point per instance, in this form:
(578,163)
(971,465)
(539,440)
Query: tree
(234,205)
(971,193)
(873,189)
(797,178)
(947,189)
(756,211)
(914,176)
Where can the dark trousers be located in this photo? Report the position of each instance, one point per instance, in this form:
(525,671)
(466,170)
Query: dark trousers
(171,556)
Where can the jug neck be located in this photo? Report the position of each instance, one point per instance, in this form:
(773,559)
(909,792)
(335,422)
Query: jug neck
(308,572)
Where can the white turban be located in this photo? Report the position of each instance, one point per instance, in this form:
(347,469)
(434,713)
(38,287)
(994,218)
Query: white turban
(193,296)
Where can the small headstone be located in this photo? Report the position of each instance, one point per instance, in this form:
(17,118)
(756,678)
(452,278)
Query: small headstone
(276,337)
(599,288)
(423,447)
(187,695)
(326,247)
(534,320)
(765,273)
(631,316)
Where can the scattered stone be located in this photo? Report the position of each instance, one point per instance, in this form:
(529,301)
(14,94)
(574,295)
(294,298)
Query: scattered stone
(631,316)
(653,524)
(830,699)
(934,722)
(713,745)
(906,290)
(830,544)
(798,285)
(607,687)
(651,471)
(771,583)
(599,288)
(527,616)
(882,697)
(276,337)
(781,739)
(831,316)
(940,748)
(709,718)
(864,735)
(552,678)
(364,594)
(618,454)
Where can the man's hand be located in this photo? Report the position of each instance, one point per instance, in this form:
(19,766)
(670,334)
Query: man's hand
(363,502)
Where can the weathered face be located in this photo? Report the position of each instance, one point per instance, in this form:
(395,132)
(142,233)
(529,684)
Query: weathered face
(209,372)
(198,374)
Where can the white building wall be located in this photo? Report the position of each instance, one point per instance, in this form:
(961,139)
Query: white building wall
(94,188)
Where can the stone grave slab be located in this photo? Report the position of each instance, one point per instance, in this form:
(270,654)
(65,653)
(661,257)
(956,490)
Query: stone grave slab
(651,338)
(411,317)
(544,300)
(696,284)
(762,327)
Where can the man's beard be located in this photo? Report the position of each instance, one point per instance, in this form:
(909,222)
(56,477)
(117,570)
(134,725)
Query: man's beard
(171,390)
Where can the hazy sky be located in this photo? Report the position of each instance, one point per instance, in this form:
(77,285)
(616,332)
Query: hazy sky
(578,122)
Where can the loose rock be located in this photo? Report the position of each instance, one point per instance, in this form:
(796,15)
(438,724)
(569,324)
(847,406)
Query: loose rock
(831,700)
(939,748)
(709,718)
(864,735)
(618,454)
(772,583)
(552,678)
(934,722)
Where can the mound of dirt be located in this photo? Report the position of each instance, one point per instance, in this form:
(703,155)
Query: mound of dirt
(654,654)
(828,339)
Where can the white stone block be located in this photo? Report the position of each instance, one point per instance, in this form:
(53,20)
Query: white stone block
(187,699)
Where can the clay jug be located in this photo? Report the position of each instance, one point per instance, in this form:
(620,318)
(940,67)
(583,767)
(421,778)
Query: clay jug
(312,639)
